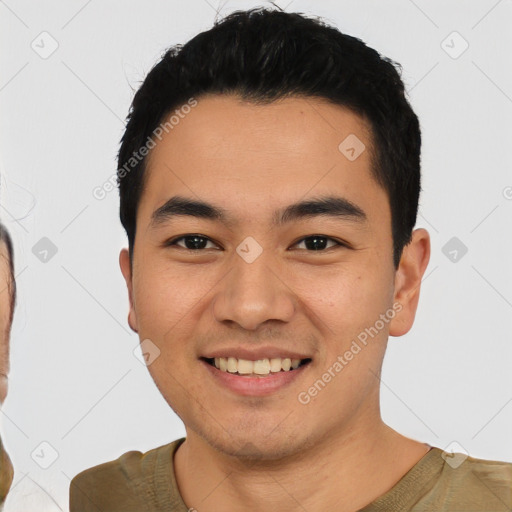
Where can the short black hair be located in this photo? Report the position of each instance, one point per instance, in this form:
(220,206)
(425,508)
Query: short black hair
(5,238)
(263,55)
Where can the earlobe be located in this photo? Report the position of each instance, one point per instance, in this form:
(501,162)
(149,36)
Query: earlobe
(124,264)
(131,321)
(413,263)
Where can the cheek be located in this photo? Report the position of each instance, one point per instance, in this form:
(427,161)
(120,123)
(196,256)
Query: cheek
(4,342)
(347,303)
(162,296)
(168,305)
(339,294)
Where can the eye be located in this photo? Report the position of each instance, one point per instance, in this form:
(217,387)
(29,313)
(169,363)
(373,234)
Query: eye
(191,242)
(196,242)
(318,242)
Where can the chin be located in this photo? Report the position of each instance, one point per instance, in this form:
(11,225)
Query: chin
(252,443)
(256,450)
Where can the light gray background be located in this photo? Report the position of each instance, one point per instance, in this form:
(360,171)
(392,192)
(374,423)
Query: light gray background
(75,382)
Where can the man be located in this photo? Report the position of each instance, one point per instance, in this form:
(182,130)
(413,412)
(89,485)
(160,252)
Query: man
(7,302)
(269,180)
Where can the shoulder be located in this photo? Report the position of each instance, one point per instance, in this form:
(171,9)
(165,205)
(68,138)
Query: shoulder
(123,484)
(476,482)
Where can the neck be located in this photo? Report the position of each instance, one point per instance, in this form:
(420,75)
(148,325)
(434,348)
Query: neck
(343,472)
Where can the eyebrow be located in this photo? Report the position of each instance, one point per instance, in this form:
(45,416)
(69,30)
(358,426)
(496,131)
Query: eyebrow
(326,206)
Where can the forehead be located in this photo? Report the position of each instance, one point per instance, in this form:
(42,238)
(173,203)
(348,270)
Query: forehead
(255,156)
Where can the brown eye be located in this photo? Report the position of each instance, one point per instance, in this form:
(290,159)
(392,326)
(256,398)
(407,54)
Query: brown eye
(318,242)
(191,242)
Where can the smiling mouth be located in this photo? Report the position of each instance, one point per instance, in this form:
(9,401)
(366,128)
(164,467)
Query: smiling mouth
(260,368)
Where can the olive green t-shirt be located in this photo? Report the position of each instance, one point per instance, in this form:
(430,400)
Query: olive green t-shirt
(138,482)
(6,473)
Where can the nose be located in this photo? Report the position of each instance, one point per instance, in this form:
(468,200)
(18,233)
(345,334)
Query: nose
(253,293)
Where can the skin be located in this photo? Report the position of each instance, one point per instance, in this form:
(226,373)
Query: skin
(5,327)
(246,453)
(6,469)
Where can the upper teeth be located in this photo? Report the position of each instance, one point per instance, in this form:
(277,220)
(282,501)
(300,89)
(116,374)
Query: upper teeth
(259,367)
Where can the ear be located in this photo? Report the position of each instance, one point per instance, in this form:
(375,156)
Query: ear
(413,263)
(124,263)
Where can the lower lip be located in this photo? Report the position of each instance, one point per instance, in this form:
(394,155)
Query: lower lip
(254,386)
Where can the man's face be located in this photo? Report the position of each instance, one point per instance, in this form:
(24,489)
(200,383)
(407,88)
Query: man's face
(5,311)
(216,300)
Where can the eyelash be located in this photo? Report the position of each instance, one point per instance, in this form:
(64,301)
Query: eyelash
(174,241)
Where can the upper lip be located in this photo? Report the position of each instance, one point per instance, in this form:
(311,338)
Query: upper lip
(255,354)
